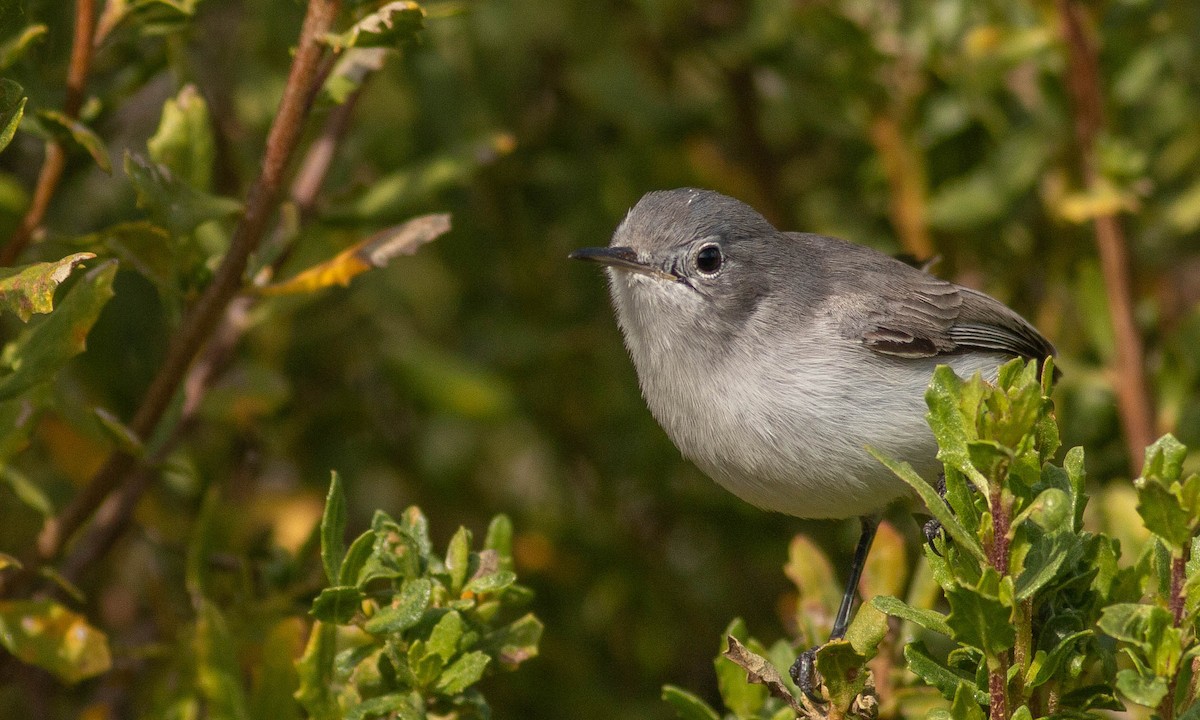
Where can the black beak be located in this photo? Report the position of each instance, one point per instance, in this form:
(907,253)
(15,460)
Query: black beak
(622,258)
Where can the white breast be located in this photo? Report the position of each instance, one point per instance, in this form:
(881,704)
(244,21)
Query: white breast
(784,425)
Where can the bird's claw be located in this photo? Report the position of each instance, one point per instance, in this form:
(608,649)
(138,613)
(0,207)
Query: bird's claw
(932,530)
(804,674)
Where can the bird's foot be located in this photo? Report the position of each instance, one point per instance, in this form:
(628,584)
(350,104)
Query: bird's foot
(932,528)
(804,674)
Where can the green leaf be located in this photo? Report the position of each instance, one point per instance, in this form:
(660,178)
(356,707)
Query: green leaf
(844,670)
(183,142)
(462,673)
(1150,629)
(934,503)
(337,604)
(29,289)
(1164,459)
(315,672)
(41,350)
(174,205)
(458,556)
(1163,515)
(12,109)
(48,635)
(928,619)
(64,126)
(741,697)
(499,538)
(401,706)
(934,673)
(946,396)
(26,490)
(964,706)
(445,636)
(514,643)
(333,529)
(867,630)
(406,610)
(391,25)
(1047,553)
(686,705)
(356,558)
(1141,689)
(1047,666)
(13,48)
(980,621)
(492,582)
(218,676)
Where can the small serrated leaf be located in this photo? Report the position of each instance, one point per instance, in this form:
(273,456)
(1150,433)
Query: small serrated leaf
(928,619)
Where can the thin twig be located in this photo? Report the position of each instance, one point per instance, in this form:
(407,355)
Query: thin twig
(1083,83)
(203,318)
(55,160)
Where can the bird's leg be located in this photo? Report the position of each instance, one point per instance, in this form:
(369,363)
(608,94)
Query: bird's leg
(802,669)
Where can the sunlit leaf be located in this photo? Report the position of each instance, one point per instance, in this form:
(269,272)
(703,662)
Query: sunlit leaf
(29,289)
(183,142)
(374,252)
(12,109)
(406,610)
(516,642)
(980,621)
(45,346)
(390,25)
(26,491)
(742,698)
(65,126)
(48,635)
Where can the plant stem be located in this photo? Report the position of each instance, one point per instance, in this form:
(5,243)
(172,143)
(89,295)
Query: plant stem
(998,558)
(204,316)
(55,160)
(1083,84)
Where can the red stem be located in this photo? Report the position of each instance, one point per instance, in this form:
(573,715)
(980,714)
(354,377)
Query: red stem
(1083,84)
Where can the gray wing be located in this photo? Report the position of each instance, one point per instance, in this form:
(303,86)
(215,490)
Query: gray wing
(918,315)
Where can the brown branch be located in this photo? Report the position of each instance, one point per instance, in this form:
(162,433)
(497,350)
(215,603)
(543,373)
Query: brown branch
(205,315)
(1083,84)
(55,160)
(112,517)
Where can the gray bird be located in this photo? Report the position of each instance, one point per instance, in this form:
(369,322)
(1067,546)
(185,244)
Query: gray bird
(773,359)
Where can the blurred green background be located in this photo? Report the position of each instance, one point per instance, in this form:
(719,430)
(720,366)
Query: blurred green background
(485,374)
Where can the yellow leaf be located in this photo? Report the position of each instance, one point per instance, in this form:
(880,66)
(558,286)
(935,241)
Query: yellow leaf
(1100,201)
(373,252)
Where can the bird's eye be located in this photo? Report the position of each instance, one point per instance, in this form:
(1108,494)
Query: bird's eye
(709,259)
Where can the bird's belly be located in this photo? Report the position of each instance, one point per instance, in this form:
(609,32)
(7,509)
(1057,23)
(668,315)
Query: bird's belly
(794,441)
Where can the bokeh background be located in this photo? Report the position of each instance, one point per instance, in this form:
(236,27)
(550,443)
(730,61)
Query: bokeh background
(486,375)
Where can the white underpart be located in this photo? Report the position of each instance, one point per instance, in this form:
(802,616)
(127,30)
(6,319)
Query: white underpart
(783,425)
